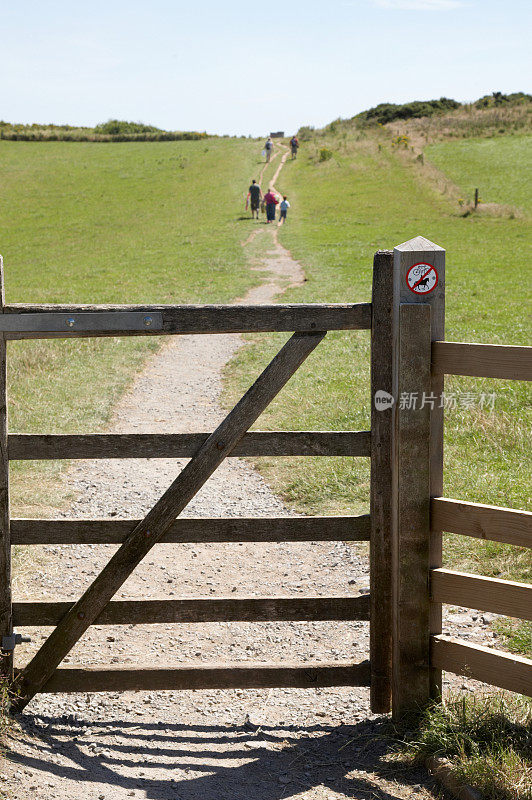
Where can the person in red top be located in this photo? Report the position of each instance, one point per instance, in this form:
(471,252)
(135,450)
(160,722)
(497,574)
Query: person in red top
(271,201)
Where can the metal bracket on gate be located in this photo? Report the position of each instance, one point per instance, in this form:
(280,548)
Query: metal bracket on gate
(56,322)
(10,642)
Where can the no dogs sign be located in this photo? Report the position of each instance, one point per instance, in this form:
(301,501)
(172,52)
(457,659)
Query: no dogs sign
(422,278)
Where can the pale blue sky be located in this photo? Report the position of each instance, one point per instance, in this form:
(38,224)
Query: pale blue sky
(247,67)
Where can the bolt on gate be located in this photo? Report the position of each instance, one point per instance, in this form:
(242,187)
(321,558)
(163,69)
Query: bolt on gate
(407,512)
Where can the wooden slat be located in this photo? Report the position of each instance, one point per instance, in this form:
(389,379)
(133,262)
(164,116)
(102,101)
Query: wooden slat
(483,664)
(411,687)
(195,529)
(494,523)
(381,511)
(222,676)
(186,445)
(213,318)
(482,360)
(203,609)
(485,594)
(6,622)
(141,540)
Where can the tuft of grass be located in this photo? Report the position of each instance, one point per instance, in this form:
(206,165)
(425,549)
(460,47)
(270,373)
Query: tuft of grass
(486,738)
(516,634)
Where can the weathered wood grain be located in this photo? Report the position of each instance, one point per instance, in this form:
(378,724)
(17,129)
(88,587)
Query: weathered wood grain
(381,487)
(486,594)
(415,251)
(195,529)
(411,680)
(212,318)
(222,676)
(185,445)
(494,523)
(6,622)
(203,609)
(482,360)
(491,666)
(158,520)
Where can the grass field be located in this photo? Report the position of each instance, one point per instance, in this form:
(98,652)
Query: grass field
(82,222)
(368,197)
(500,167)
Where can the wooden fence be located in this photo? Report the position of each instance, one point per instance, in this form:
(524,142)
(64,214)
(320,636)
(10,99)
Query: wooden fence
(404,527)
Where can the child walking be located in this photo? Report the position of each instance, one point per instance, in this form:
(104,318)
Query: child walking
(285,205)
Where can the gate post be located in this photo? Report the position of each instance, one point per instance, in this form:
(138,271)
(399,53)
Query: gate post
(6,617)
(381,504)
(419,278)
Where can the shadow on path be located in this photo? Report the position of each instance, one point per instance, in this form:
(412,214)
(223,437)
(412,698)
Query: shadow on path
(213,762)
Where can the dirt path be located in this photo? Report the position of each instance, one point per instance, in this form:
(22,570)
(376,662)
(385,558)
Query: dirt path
(239,745)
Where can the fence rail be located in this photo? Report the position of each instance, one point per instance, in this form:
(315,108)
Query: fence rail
(490,666)
(482,360)
(221,676)
(195,530)
(485,594)
(186,445)
(73,321)
(203,609)
(494,523)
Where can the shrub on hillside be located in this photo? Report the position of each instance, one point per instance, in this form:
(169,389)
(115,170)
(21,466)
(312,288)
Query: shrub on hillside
(325,154)
(500,99)
(114,127)
(388,112)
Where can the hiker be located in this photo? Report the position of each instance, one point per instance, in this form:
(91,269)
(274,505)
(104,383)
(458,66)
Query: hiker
(285,205)
(254,198)
(294,145)
(270,200)
(268,147)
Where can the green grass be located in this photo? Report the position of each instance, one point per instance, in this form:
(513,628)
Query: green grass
(501,168)
(363,199)
(110,223)
(487,739)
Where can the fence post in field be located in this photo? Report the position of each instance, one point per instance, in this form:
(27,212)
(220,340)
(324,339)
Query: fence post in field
(6,618)
(382,415)
(419,278)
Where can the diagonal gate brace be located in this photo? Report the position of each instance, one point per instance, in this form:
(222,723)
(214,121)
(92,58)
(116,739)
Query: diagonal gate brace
(153,527)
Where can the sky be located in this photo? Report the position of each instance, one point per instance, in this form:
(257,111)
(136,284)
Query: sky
(234,67)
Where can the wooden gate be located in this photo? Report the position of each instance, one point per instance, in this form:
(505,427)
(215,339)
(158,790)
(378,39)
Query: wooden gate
(405,447)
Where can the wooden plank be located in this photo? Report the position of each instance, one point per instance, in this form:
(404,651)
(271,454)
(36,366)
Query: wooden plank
(486,594)
(185,445)
(158,520)
(211,318)
(203,609)
(111,321)
(482,360)
(381,487)
(492,523)
(6,620)
(195,529)
(483,664)
(416,251)
(202,676)
(411,687)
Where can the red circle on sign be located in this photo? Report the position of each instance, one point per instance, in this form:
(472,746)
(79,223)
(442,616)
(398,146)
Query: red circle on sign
(412,286)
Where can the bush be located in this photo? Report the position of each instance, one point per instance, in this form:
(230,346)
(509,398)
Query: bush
(118,126)
(388,112)
(325,154)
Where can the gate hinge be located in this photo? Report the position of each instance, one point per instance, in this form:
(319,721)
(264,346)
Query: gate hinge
(10,642)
